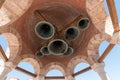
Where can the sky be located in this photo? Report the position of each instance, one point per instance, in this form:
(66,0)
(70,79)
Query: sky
(112,61)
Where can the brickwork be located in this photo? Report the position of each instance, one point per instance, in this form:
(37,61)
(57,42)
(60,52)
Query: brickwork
(22,44)
(12,10)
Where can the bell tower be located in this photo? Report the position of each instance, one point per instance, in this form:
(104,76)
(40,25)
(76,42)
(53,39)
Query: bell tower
(57,34)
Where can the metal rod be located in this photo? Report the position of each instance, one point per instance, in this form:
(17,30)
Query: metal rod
(113,12)
(26,72)
(54,77)
(82,71)
(39,15)
(2,54)
(106,52)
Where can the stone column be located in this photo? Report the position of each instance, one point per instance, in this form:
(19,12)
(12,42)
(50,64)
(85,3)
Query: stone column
(99,68)
(39,77)
(69,77)
(115,38)
(9,66)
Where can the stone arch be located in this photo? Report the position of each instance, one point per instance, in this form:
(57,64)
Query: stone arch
(74,61)
(12,10)
(34,63)
(94,43)
(55,65)
(94,7)
(32,60)
(14,42)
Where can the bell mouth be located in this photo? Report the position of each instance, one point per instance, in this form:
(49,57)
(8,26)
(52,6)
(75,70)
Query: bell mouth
(69,51)
(83,23)
(44,30)
(44,50)
(72,33)
(39,54)
(57,47)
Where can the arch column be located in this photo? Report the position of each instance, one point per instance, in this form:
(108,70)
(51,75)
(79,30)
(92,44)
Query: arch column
(69,73)
(99,68)
(9,66)
(115,38)
(69,77)
(39,77)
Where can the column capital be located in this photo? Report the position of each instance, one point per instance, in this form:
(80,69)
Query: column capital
(10,65)
(69,77)
(115,38)
(98,67)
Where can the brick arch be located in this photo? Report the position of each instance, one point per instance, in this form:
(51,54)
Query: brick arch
(34,63)
(94,43)
(55,65)
(74,61)
(95,7)
(12,10)
(14,43)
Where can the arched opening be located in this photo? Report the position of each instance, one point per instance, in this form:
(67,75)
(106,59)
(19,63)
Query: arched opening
(103,47)
(24,65)
(12,48)
(54,72)
(4,45)
(16,9)
(87,75)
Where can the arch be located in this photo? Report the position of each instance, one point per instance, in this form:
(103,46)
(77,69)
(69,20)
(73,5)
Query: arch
(27,66)
(54,72)
(94,43)
(80,66)
(14,41)
(92,75)
(104,44)
(55,65)
(94,7)
(34,63)
(74,61)
(26,63)
(3,43)
(12,10)
(13,48)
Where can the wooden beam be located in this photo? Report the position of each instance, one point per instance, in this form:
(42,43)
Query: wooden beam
(113,12)
(106,52)
(39,15)
(82,71)
(25,72)
(54,77)
(2,54)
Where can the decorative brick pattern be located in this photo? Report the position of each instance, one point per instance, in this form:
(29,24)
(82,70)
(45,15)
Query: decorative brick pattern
(34,63)
(12,10)
(73,62)
(14,42)
(95,42)
(95,7)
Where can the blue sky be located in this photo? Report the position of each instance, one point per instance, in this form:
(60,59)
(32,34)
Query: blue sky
(112,61)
